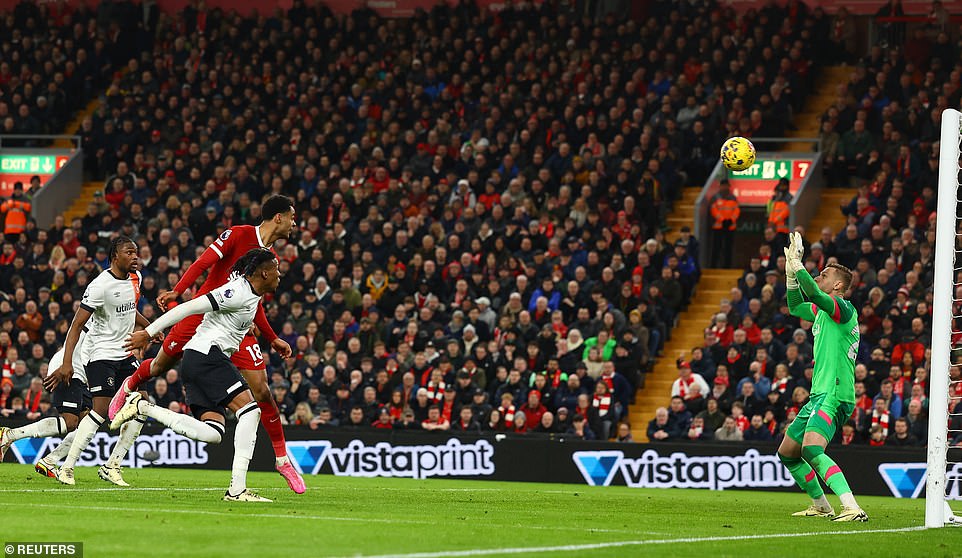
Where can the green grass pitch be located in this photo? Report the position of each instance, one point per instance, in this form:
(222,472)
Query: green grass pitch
(180,513)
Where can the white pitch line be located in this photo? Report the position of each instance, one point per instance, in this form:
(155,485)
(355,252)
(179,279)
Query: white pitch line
(311,517)
(617,544)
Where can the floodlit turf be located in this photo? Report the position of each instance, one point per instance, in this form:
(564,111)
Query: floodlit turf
(180,513)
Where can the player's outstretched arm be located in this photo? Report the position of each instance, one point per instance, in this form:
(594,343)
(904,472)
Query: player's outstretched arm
(797,305)
(841,312)
(206,260)
(280,346)
(825,302)
(140,339)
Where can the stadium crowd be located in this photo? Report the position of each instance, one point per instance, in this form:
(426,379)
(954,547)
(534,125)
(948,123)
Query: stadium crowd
(481,201)
(754,371)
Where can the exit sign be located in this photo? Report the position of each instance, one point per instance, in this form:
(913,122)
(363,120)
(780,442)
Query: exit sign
(34,164)
(22,167)
(756,184)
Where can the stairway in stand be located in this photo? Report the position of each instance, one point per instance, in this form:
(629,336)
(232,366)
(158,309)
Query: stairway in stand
(78,208)
(829,212)
(689,333)
(808,122)
(683,214)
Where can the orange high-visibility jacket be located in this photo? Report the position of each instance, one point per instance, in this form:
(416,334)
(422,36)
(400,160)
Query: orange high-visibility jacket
(724,208)
(17,212)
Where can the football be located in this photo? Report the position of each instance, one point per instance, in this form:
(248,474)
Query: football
(737,153)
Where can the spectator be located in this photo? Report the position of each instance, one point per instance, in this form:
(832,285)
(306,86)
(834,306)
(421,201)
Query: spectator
(681,387)
(757,431)
(579,428)
(660,428)
(434,420)
(698,432)
(712,417)
(729,431)
(902,437)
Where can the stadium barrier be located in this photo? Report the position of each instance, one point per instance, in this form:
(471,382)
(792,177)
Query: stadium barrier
(754,187)
(60,170)
(896,472)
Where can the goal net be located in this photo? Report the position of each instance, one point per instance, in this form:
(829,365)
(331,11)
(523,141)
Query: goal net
(944,461)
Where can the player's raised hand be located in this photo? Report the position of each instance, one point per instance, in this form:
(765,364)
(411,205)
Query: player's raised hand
(166,297)
(137,341)
(798,244)
(789,259)
(282,348)
(59,376)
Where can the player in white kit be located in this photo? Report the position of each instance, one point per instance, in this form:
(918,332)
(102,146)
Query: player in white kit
(213,382)
(107,314)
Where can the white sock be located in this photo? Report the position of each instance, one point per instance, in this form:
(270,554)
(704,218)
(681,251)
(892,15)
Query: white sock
(128,433)
(821,502)
(245,435)
(61,450)
(85,432)
(848,500)
(186,425)
(279,461)
(43,428)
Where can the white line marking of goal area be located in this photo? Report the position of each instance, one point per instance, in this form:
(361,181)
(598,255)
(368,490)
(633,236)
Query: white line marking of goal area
(391,521)
(616,544)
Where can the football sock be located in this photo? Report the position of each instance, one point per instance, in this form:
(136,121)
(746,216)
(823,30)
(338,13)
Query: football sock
(271,419)
(61,450)
(128,433)
(848,500)
(43,428)
(141,375)
(804,476)
(828,470)
(207,431)
(244,438)
(85,432)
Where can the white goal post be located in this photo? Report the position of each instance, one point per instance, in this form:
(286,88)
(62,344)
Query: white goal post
(937,512)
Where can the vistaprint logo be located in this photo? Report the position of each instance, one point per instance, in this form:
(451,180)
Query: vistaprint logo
(905,480)
(452,459)
(169,447)
(679,470)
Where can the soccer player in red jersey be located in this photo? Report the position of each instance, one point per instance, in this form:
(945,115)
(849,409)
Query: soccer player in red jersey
(278,221)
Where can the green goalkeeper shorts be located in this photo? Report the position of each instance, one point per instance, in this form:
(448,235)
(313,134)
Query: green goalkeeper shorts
(823,414)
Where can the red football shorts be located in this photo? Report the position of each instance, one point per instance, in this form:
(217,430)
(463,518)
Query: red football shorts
(249,355)
(180,334)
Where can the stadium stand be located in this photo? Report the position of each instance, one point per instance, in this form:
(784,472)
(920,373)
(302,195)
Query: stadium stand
(483,199)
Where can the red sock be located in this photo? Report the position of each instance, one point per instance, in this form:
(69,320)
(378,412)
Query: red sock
(271,419)
(140,376)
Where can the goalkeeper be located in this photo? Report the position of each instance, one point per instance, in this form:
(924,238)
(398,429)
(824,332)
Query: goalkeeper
(835,328)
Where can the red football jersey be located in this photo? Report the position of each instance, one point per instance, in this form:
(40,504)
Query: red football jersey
(219,257)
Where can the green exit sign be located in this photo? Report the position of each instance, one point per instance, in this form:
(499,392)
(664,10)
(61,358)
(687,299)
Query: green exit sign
(31,164)
(765,170)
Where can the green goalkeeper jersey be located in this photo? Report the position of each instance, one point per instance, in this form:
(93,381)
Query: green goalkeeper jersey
(835,328)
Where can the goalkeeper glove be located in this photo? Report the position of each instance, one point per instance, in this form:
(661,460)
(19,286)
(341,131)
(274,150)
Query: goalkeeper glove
(791,268)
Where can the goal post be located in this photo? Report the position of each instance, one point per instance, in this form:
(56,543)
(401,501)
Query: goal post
(937,512)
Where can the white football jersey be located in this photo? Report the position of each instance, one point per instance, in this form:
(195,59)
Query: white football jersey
(112,302)
(235,304)
(79,360)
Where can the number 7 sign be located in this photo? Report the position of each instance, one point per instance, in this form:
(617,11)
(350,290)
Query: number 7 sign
(800,169)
